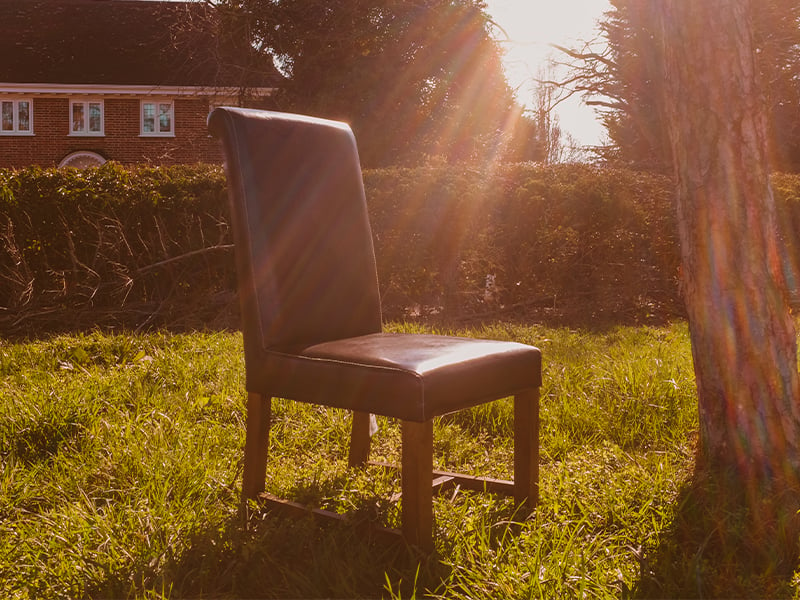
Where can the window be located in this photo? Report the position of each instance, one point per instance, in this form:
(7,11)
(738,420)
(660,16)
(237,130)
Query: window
(16,116)
(86,117)
(82,159)
(158,117)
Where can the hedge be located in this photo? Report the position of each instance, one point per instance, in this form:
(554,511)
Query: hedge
(112,247)
(151,247)
(569,238)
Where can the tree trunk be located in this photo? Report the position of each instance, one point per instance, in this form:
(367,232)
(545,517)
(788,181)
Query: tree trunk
(743,339)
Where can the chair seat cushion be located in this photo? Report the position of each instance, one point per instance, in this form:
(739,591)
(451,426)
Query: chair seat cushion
(408,376)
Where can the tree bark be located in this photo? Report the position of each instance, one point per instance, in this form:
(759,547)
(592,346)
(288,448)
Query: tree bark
(743,339)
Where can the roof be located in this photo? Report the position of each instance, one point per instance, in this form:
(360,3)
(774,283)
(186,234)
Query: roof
(124,42)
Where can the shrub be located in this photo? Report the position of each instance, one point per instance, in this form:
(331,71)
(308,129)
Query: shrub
(786,187)
(151,247)
(111,246)
(596,240)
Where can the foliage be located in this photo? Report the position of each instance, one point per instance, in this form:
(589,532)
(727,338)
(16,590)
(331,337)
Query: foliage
(100,243)
(151,247)
(121,468)
(623,80)
(567,237)
(786,188)
(412,78)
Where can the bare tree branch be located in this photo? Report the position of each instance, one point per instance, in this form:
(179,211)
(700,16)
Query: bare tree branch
(183,256)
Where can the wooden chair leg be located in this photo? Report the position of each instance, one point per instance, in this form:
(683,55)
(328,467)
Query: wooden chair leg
(256,445)
(359,439)
(416,475)
(526,448)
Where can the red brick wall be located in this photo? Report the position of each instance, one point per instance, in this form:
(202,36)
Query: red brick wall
(51,141)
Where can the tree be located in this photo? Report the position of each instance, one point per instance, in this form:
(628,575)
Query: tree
(743,339)
(556,145)
(777,34)
(412,78)
(618,75)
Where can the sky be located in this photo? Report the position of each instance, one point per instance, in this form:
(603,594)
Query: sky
(532,25)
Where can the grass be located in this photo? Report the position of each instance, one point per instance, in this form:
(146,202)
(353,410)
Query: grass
(121,461)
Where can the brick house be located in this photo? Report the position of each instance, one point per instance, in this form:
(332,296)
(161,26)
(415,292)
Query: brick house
(86,81)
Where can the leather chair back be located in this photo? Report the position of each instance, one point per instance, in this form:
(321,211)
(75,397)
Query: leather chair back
(304,252)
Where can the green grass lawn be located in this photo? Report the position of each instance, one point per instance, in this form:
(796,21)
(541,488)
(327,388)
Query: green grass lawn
(121,464)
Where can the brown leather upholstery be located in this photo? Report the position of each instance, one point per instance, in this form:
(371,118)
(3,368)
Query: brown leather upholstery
(407,376)
(309,291)
(303,240)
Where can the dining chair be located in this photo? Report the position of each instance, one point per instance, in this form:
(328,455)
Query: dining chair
(311,316)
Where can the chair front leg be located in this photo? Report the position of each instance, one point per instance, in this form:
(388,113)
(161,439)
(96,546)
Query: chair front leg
(416,476)
(526,448)
(359,439)
(256,445)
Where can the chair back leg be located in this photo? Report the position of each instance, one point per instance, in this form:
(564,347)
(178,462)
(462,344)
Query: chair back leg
(359,439)
(256,445)
(416,481)
(526,449)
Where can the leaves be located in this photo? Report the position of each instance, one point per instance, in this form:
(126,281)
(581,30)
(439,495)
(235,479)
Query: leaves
(412,78)
(620,74)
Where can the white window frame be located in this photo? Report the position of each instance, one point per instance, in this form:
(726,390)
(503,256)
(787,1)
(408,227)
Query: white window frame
(158,103)
(84,131)
(81,160)
(15,101)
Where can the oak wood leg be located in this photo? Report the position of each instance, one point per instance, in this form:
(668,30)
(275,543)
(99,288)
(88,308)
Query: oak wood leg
(526,448)
(256,445)
(359,439)
(416,474)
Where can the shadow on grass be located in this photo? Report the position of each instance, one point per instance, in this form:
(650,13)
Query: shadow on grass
(269,555)
(286,558)
(711,551)
(274,557)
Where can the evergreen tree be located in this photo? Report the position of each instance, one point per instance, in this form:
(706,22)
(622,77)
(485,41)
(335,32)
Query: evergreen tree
(624,82)
(412,78)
